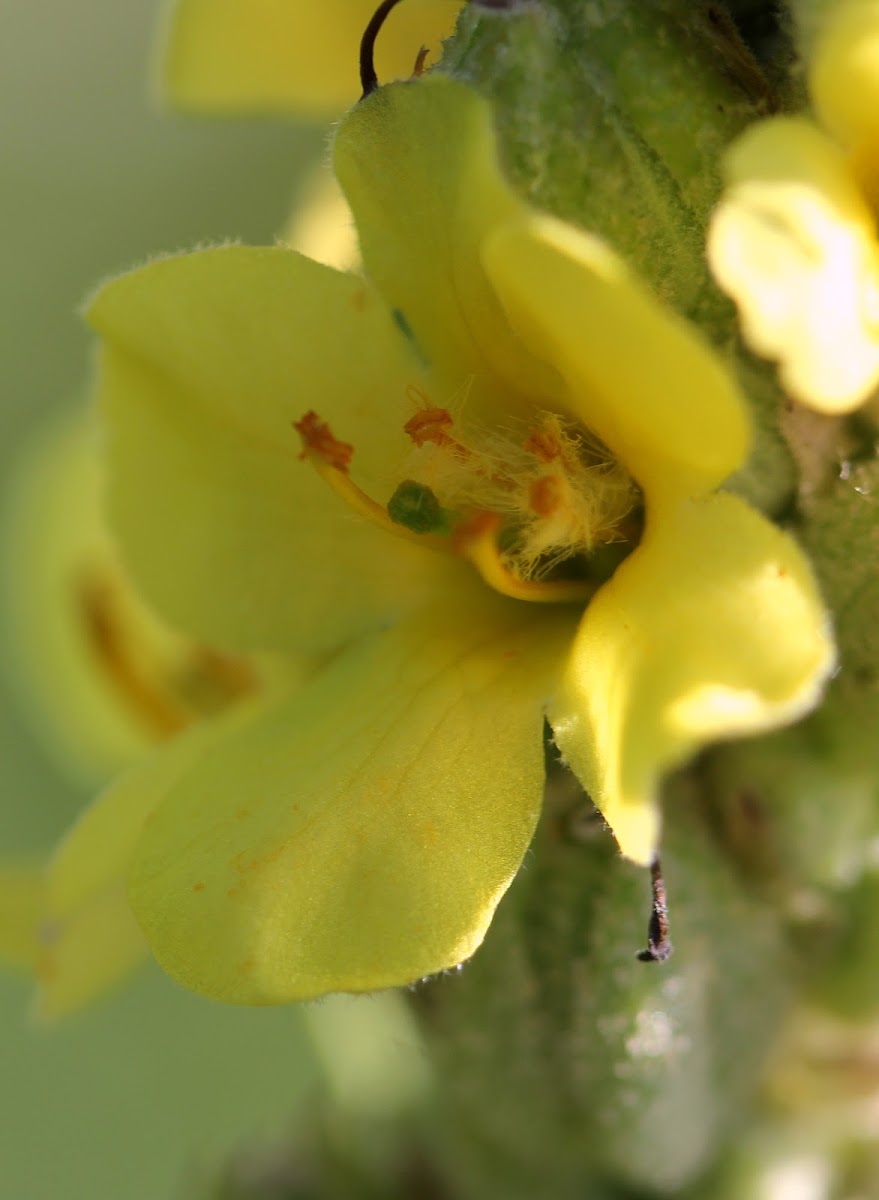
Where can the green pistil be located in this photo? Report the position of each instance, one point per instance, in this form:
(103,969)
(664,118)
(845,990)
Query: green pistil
(416,507)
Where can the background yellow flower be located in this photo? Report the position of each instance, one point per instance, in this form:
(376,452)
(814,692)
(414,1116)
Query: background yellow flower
(794,239)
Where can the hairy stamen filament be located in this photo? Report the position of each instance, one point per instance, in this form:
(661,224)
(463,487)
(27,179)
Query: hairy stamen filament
(476,540)
(474,537)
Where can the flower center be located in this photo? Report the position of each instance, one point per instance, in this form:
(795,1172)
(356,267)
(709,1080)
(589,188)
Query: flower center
(543,516)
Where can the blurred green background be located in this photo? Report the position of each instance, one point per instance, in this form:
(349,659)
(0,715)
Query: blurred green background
(142,1095)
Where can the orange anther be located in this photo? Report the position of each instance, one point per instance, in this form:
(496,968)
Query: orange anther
(543,445)
(420,59)
(430,425)
(317,439)
(544,495)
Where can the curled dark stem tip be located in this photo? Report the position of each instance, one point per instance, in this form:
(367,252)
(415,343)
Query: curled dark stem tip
(659,945)
(368,77)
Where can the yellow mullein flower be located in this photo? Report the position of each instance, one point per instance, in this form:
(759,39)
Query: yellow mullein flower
(288,56)
(794,240)
(485,420)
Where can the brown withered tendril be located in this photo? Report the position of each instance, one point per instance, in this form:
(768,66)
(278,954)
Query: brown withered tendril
(659,945)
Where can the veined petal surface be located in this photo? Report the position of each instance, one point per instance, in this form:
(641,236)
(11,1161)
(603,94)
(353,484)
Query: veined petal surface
(712,628)
(793,242)
(286,56)
(208,359)
(361,834)
(419,165)
(637,375)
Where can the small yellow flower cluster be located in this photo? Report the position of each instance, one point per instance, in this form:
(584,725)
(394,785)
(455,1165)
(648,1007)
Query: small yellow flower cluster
(794,240)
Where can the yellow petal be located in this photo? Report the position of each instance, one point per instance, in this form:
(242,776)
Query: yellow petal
(638,376)
(89,937)
(712,628)
(360,835)
(793,243)
(419,165)
(209,358)
(22,904)
(289,56)
(844,74)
